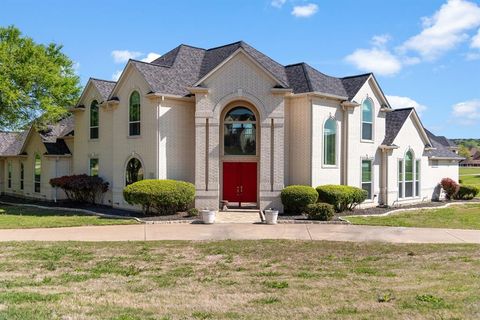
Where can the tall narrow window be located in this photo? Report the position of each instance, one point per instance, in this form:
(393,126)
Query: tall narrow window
(400,178)
(329,142)
(409,174)
(367,120)
(9,180)
(22,175)
(367,177)
(37,173)
(94,120)
(94,167)
(239,132)
(134,171)
(417,178)
(134,114)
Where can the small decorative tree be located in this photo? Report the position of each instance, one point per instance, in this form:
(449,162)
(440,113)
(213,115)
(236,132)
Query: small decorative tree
(450,187)
(81,188)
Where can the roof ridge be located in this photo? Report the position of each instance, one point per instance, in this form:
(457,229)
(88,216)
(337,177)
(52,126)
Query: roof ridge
(226,45)
(309,82)
(403,109)
(97,79)
(190,46)
(357,76)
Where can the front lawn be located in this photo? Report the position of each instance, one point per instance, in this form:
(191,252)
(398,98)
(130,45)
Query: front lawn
(238,280)
(456,217)
(13,217)
(470,175)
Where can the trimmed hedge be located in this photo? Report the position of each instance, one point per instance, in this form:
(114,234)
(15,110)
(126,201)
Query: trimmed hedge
(296,198)
(160,196)
(81,188)
(320,211)
(467,192)
(341,197)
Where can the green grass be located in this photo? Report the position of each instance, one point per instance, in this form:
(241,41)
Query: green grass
(469,176)
(238,280)
(457,217)
(469,170)
(13,217)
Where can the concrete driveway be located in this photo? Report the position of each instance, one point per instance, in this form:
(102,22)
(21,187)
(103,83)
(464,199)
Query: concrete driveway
(330,232)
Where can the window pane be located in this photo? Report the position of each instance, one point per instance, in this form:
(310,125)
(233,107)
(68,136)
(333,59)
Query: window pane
(366,170)
(329,142)
(417,188)
(134,109)
(37,173)
(94,114)
(367,187)
(408,189)
(240,114)
(134,171)
(367,131)
(400,189)
(94,167)
(367,111)
(94,133)
(134,129)
(409,166)
(240,139)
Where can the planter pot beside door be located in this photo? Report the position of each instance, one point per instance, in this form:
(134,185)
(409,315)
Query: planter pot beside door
(271,216)
(208,216)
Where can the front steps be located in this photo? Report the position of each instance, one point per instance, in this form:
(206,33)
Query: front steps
(238,216)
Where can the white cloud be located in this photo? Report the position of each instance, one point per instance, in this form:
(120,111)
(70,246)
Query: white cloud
(121,56)
(116,75)
(278,3)
(467,112)
(398,102)
(381,40)
(305,11)
(444,30)
(476,40)
(377,60)
(151,56)
(471,56)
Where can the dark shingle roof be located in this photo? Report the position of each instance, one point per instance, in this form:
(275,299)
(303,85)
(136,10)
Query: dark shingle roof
(393,123)
(11,142)
(441,147)
(185,65)
(105,87)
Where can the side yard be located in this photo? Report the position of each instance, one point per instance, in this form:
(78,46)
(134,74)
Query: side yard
(14,217)
(238,280)
(470,175)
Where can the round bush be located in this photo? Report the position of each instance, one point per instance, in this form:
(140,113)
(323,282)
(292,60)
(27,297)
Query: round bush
(160,196)
(320,211)
(296,198)
(341,197)
(467,192)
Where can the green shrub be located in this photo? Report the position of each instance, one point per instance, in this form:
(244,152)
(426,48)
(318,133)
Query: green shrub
(160,196)
(296,198)
(341,197)
(467,192)
(81,187)
(193,212)
(320,211)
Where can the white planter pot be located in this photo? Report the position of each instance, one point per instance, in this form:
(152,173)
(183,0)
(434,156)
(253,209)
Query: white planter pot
(271,216)
(208,216)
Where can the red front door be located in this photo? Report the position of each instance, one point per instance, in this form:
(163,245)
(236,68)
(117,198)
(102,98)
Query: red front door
(240,182)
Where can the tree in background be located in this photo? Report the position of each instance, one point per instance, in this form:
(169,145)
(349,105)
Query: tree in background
(464,151)
(36,81)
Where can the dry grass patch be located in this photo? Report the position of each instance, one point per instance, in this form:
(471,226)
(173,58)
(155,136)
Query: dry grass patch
(238,280)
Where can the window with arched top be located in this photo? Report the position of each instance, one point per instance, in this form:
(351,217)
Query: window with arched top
(133,171)
(330,142)
(408,176)
(94,120)
(240,133)
(367,119)
(134,114)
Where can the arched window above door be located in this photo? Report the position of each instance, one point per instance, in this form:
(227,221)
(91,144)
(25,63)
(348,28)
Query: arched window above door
(240,132)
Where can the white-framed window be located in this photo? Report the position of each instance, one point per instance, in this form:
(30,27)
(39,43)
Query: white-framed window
(94,166)
(330,142)
(37,173)
(367,174)
(409,176)
(94,120)
(22,175)
(134,128)
(367,120)
(9,175)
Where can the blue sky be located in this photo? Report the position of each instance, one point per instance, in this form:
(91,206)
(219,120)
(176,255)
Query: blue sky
(424,53)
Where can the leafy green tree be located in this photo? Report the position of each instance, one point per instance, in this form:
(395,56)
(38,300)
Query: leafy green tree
(464,151)
(36,81)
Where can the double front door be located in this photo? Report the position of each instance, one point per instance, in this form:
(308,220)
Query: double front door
(240,182)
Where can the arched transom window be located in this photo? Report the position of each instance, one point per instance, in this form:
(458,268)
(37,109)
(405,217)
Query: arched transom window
(134,171)
(367,120)
(134,114)
(240,132)
(330,142)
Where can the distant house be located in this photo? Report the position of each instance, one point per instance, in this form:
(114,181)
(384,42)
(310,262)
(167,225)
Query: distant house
(473,161)
(238,125)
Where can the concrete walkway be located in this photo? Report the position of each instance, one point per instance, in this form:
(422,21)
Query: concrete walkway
(244,231)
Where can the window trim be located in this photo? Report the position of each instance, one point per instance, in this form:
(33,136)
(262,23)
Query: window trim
(324,165)
(372,178)
(414,176)
(140,112)
(35,182)
(90,121)
(372,123)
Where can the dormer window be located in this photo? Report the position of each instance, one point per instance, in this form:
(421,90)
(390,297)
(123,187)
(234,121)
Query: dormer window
(134,114)
(94,120)
(367,120)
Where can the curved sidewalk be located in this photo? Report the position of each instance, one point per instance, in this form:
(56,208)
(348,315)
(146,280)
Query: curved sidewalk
(329,232)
